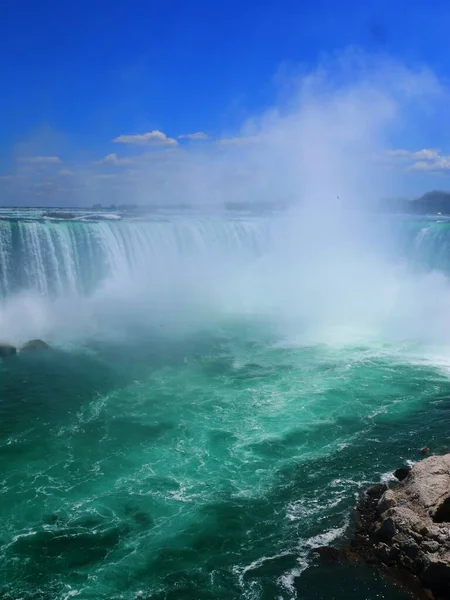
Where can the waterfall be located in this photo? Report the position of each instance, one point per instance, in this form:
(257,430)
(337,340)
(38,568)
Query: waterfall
(427,245)
(57,258)
(76,277)
(73,257)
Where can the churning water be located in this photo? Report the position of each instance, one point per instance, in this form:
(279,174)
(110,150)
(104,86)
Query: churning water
(221,387)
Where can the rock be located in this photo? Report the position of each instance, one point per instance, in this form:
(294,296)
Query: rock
(386,501)
(411,525)
(425,450)
(34,345)
(383,551)
(430,546)
(7,350)
(441,514)
(411,549)
(377,490)
(386,530)
(402,473)
(436,575)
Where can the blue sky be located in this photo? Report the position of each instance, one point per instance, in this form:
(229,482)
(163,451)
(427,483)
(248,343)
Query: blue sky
(77,76)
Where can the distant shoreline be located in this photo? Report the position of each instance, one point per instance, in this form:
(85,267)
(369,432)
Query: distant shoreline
(430,204)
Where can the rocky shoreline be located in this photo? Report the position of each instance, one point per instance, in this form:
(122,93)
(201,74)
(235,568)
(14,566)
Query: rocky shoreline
(404,529)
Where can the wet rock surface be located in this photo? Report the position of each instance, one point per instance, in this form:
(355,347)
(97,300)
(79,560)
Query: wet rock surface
(7,350)
(34,345)
(402,473)
(408,527)
(404,530)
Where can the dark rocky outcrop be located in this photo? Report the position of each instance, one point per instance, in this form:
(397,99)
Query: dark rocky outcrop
(34,345)
(402,473)
(404,530)
(408,527)
(7,350)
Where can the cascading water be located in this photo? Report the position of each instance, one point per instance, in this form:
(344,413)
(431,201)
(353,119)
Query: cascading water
(185,264)
(65,257)
(55,258)
(432,246)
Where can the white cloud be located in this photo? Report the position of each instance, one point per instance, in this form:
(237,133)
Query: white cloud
(442,163)
(199,135)
(158,138)
(427,159)
(113,159)
(425,154)
(40,160)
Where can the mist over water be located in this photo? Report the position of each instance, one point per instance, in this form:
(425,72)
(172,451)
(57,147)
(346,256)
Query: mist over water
(224,383)
(329,280)
(327,261)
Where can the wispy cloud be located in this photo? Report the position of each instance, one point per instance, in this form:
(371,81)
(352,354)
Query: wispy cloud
(115,160)
(427,159)
(155,137)
(199,135)
(40,160)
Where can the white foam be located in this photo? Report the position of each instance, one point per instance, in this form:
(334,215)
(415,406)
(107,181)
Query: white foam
(324,539)
(287,580)
(387,477)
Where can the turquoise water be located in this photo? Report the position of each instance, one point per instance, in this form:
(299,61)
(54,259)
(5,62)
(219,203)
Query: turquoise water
(204,466)
(206,461)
